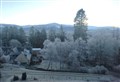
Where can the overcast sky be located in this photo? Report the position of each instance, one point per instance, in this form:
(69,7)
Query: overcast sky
(30,12)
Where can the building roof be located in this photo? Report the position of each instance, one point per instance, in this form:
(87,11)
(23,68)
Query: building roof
(22,58)
(36,49)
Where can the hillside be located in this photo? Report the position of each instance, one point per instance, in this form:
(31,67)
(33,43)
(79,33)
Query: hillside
(55,26)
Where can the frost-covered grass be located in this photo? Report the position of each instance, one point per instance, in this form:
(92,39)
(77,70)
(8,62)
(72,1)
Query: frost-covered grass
(53,66)
(46,76)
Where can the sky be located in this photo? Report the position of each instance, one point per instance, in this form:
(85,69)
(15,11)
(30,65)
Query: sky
(33,12)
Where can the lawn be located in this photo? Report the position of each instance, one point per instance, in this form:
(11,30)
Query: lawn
(47,76)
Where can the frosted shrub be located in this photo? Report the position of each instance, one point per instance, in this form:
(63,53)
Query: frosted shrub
(35,78)
(83,69)
(15,43)
(5,59)
(116,68)
(98,70)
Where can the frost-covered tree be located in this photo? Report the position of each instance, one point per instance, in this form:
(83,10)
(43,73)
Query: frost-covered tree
(36,37)
(81,47)
(102,47)
(9,33)
(116,36)
(73,54)
(61,34)
(73,62)
(49,52)
(116,32)
(15,43)
(63,49)
(32,36)
(5,59)
(43,37)
(21,35)
(56,51)
(52,35)
(5,36)
(46,43)
(80,26)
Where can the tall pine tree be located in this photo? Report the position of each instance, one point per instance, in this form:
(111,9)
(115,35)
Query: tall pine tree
(80,26)
(61,34)
(43,37)
(52,35)
(22,36)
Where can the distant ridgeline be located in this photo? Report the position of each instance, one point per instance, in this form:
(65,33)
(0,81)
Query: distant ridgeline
(49,26)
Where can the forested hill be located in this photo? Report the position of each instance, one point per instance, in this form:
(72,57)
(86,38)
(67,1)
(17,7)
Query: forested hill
(55,26)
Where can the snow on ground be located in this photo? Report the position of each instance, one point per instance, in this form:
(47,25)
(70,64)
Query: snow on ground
(46,76)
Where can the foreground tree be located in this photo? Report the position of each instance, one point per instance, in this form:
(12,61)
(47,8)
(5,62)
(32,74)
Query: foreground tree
(49,52)
(102,48)
(80,26)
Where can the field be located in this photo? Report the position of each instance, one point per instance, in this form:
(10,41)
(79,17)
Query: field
(47,76)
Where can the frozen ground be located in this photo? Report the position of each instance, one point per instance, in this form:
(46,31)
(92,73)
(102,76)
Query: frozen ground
(46,76)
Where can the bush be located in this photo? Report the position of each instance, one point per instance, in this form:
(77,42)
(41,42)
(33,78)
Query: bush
(35,78)
(15,78)
(98,70)
(83,70)
(24,76)
(116,68)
